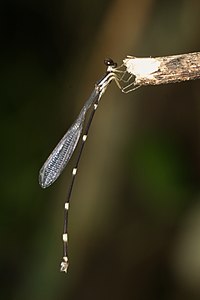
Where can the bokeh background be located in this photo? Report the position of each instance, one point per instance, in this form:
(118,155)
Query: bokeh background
(135,212)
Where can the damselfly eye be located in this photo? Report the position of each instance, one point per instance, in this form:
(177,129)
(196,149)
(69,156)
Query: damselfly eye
(109,62)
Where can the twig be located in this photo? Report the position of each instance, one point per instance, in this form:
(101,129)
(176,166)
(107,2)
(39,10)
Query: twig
(162,70)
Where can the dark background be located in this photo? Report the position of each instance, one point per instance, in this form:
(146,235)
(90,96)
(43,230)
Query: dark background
(135,212)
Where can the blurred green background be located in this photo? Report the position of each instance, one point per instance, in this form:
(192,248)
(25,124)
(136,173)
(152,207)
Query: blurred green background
(135,212)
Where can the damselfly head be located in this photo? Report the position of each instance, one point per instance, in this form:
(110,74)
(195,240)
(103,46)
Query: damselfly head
(109,62)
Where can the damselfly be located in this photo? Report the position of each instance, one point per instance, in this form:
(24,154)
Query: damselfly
(62,153)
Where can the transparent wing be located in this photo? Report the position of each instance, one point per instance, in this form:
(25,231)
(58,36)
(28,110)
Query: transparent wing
(62,153)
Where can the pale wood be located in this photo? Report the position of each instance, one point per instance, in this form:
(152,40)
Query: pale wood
(163,70)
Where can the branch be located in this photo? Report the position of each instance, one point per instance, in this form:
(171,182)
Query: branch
(162,70)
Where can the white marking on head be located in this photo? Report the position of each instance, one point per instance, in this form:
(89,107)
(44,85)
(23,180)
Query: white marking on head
(95,106)
(111,68)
